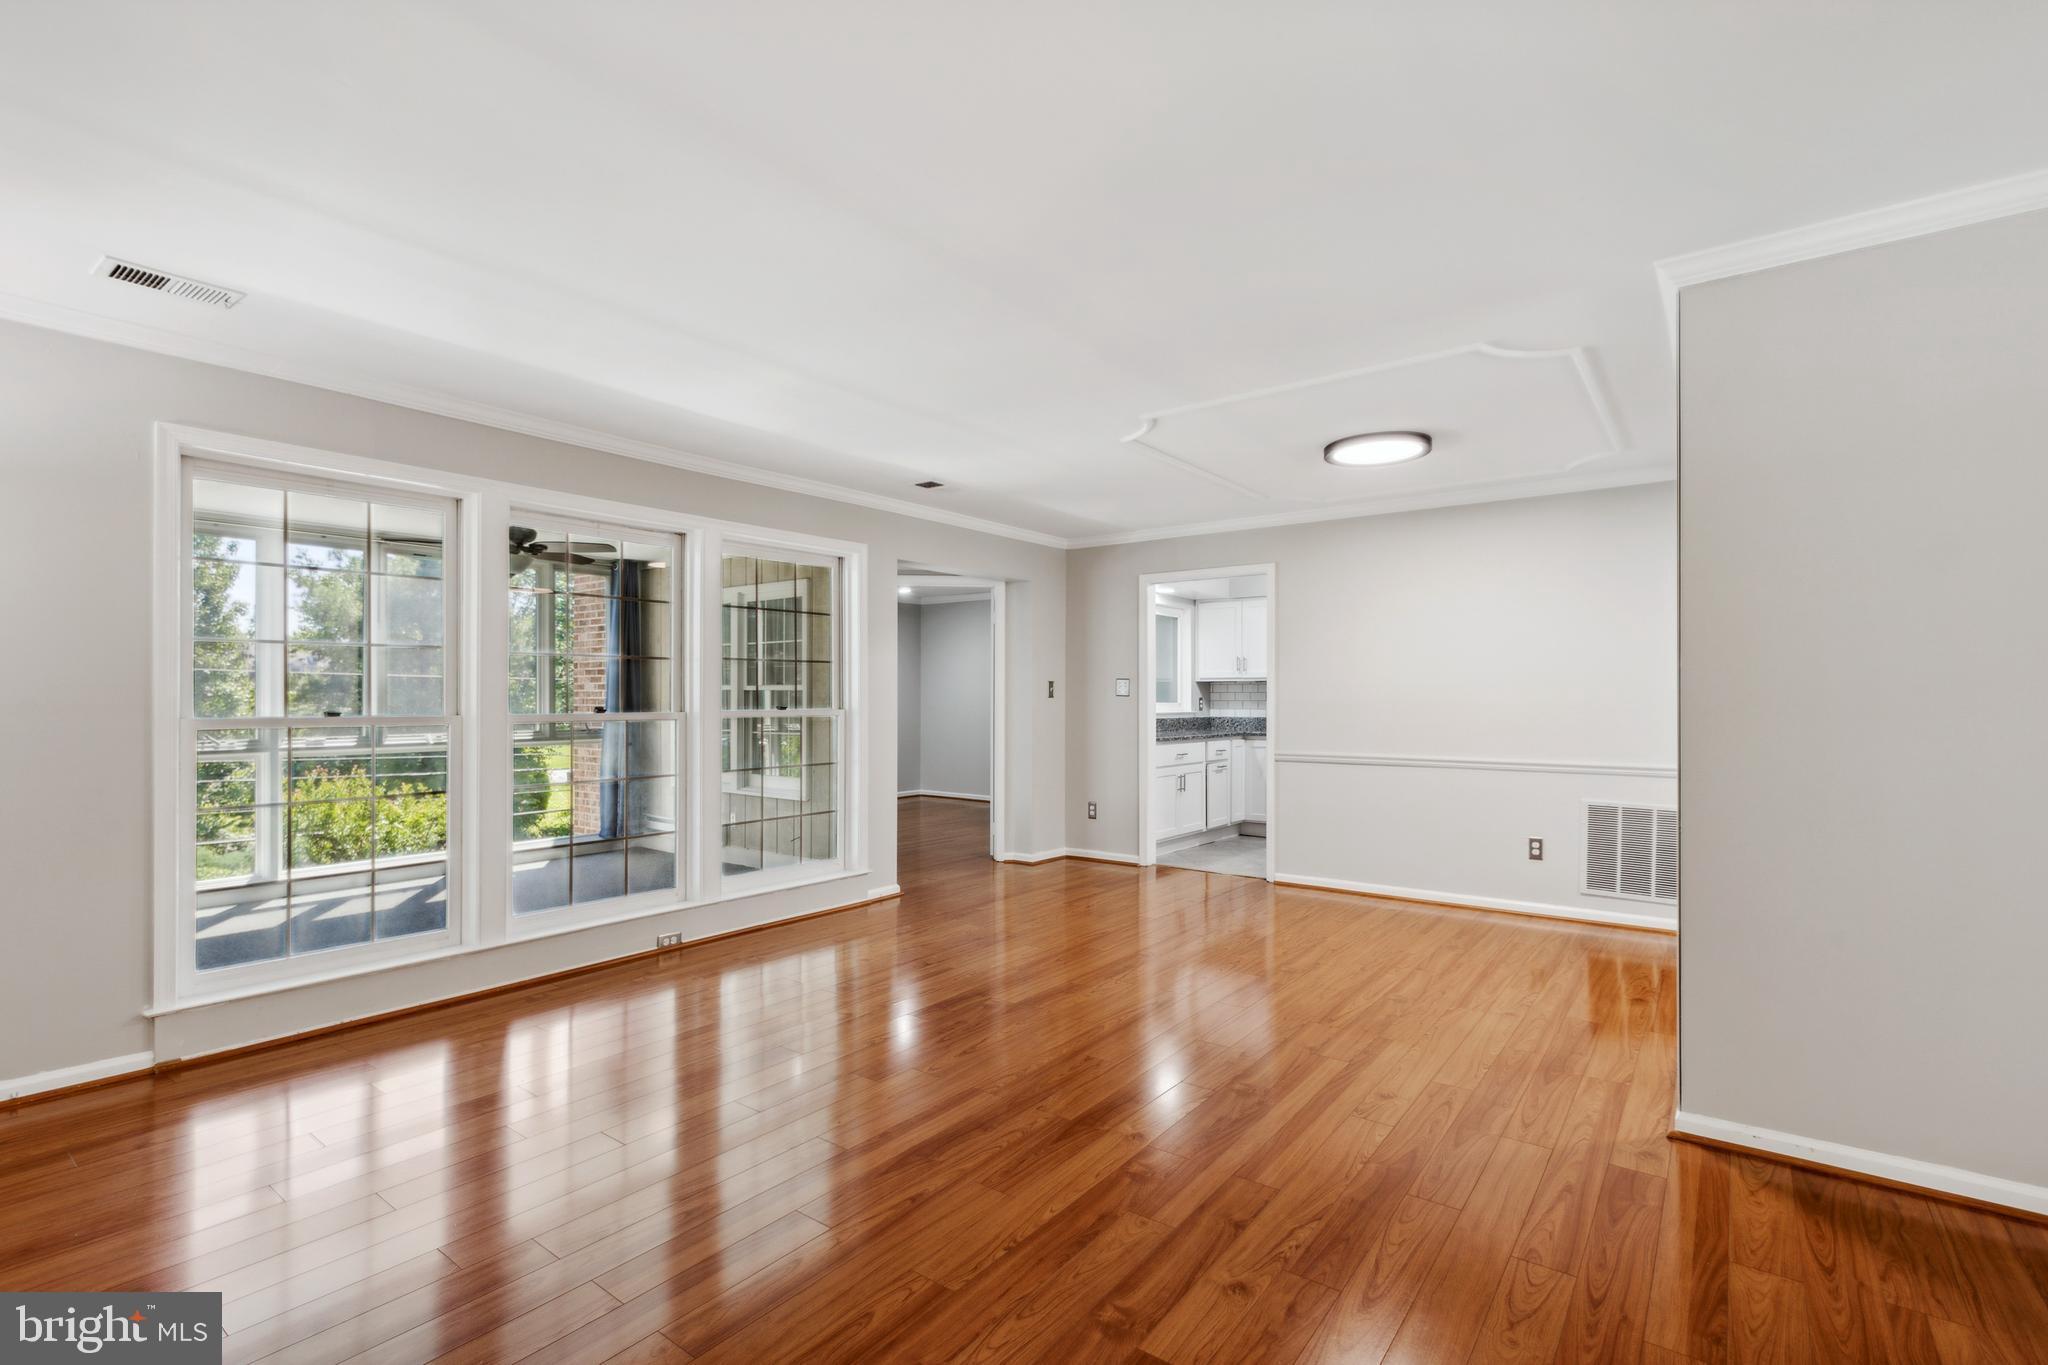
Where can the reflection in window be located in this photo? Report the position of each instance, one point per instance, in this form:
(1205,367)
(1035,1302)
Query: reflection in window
(1167,657)
(779,759)
(322,728)
(596,727)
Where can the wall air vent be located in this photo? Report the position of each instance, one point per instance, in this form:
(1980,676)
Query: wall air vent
(1632,851)
(177,286)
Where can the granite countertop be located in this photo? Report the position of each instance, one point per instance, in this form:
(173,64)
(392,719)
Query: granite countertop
(1191,727)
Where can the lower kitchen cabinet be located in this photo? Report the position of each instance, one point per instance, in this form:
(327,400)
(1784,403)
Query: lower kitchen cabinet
(1255,771)
(1218,793)
(1179,801)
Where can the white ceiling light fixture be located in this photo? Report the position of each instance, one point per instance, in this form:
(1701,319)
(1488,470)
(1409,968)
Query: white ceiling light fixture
(1377,447)
(903,592)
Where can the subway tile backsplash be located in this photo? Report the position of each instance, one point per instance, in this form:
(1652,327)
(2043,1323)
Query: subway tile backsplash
(1234,698)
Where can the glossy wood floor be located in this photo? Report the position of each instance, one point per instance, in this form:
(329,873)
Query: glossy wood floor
(1068,1112)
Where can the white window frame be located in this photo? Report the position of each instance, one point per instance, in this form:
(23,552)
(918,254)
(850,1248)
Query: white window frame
(190,981)
(480,916)
(763,878)
(554,919)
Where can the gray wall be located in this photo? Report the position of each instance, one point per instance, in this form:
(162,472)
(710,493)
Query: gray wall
(909,724)
(956,696)
(1865,642)
(75,449)
(1541,630)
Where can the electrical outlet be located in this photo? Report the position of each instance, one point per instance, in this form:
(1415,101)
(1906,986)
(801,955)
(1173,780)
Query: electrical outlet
(668,940)
(1535,850)
(1091,810)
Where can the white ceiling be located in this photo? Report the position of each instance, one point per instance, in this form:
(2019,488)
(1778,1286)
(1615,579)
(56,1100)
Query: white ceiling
(1084,263)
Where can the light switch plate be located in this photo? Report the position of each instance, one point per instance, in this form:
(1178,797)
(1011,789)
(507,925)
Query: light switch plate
(1123,687)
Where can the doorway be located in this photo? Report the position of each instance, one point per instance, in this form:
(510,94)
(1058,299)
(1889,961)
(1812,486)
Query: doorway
(949,708)
(1205,770)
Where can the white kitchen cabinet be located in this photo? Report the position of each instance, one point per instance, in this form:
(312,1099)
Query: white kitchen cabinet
(1240,762)
(1217,795)
(1165,803)
(1217,626)
(1252,635)
(1255,771)
(1180,796)
(1230,639)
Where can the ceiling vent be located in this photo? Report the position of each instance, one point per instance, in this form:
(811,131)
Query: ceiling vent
(1632,851)
(177,286)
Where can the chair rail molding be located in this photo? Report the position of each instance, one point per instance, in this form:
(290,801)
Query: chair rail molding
(1501,765)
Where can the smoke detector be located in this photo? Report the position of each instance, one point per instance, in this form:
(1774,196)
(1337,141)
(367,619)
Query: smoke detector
(163,282)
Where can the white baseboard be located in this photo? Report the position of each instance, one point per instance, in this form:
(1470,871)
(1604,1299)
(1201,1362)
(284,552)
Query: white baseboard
(951,796)
(1129,859)
(1052,853)
(75,1075)
(1904,1170)
(1543,909)
(877,893)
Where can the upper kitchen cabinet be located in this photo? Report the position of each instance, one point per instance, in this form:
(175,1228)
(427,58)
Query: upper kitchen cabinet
(1230,639)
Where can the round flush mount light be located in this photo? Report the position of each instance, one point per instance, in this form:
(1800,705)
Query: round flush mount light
(1377,447)
(903,592)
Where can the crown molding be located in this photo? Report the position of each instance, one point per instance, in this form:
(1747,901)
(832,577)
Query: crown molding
(76,322)
(1496,490)
(1872,227)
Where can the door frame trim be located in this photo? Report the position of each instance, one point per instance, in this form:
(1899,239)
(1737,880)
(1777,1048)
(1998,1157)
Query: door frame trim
(1147,728)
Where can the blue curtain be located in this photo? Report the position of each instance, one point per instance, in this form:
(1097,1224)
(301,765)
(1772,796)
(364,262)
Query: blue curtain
(625,686)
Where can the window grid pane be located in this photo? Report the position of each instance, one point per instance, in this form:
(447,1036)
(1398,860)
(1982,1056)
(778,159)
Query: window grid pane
(309,838)
(595,795)
(779,771)
(296,595)
(312,603)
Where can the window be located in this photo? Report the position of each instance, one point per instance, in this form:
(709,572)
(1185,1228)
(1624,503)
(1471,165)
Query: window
(780,726)
(592,685)
(1172,688)
(319,726)
(334,784)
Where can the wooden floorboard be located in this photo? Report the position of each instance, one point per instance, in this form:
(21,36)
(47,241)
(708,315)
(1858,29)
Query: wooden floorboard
(1071,1111)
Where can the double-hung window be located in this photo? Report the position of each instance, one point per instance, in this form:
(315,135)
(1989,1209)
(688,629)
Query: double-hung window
(781,722)
(597,720)
(319,724)
(325,807)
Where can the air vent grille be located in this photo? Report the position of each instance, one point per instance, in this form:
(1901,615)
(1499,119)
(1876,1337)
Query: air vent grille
(177,286)
(1632,851)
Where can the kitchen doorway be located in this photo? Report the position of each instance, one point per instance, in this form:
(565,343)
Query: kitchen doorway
(1206,688)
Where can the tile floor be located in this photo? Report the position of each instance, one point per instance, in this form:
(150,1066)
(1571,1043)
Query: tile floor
(1237,856)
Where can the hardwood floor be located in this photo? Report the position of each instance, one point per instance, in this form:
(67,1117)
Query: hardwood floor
(1072,1112)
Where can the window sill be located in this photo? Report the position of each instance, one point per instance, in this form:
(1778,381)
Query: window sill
(518,936)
